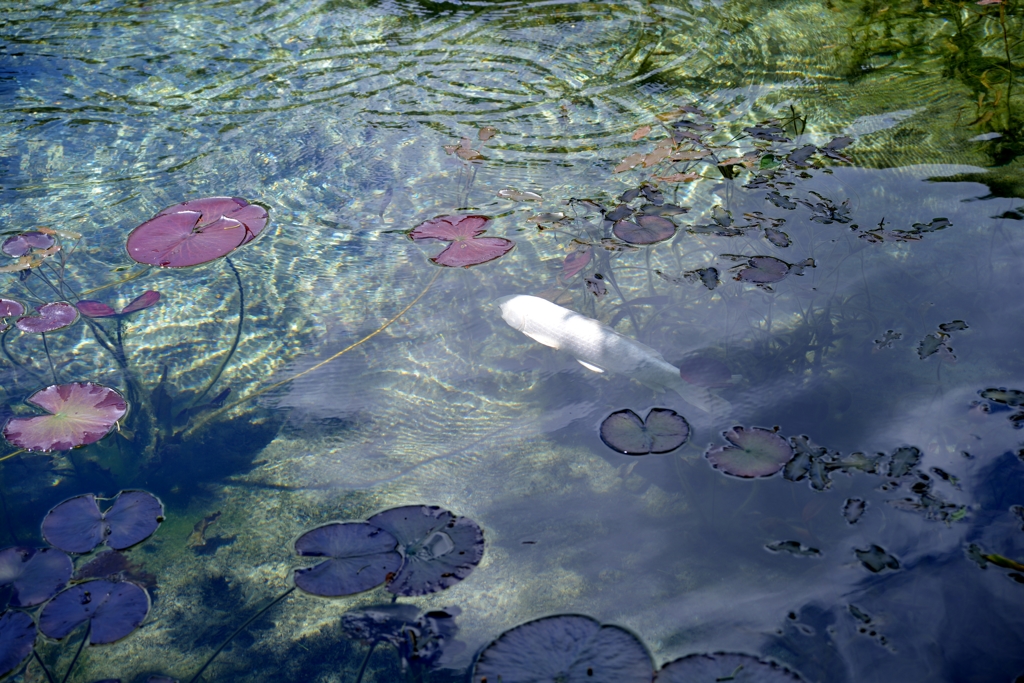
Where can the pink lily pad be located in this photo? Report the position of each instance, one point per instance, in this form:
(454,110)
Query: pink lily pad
(756,452)
(113,609)
(195,232)
(576,261)
(466,248)
(80,413)
(49,318)
(19,245)
(98,309)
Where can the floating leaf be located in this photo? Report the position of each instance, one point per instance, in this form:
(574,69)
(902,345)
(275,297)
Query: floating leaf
(932,344)
(663,210)
(419,638)
(646,230)
(467,249)
(80,414)
(17,637)
(662,432)
(853,509)
(49,318)
(800,156)
(777,237)
(595,285)
(438,548)
(707,276)
(755,452)
(569,648)
(618,213)
(77,525)
(361,556)
(19,245)
(1009,397)
(767,132)
(9,308)
(780,200)
(763,270)
(196,232)
(678,177)
(887,339)
(35,575)
(902,461)
(629,162)
(640,132)
(876,559)
(113,609)
(954,326)
(486,133)
(721,666)
(97,309)
(793,548)
(576,261)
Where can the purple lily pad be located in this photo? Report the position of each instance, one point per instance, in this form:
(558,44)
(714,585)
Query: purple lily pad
(568,647)
(762,270)
(196,232)
(49,318)
(9,308)
(19,245)
(705,372)
(98,309)
(438,548)
(113,608)
(723,666)
(17,636)
(35,575)
(756,452)
(361,556)
(663,431)
(80,413)
(77,525)
(648,229)
(466,248)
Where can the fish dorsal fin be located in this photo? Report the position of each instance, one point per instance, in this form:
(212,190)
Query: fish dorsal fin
(589,366)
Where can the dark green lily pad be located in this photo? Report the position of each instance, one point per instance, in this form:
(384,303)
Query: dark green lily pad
(754,452)
(663,431)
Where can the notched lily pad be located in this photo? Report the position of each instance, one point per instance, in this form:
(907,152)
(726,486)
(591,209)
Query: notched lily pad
(754,452)
(361,556)
(466,248)
(647,229)
(113,609)
(722,666)
(438,548)
(49,318)
(568,648)
(663,431)
(17,636)
(77,525)
(80,414)
(19,245)
(34,575)
(876,559)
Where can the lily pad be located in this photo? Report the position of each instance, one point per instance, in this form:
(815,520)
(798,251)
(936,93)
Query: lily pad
(49,318)
(648,229)
(361,556)
(113,609)
(35,575)
(723,666)
(467,248)
(755,452)
(77,525)
(9,308)
(662,432)
(196,232)
(17,636)
(763,270)
(80,413)
(98,309)
(576,261)
(1009,397)
(438,548)
(875,559)
(19,245)
(569,648)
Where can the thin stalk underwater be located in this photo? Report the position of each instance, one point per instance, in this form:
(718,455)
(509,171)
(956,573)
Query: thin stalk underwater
(81,644)
(366,660)
(238,335)
(46,671)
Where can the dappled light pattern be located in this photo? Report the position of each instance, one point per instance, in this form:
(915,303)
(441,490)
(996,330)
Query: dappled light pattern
(113,609)
(438,548)
(77,525)
(34,575)
(467,248)
(571,648)
(80,414)
(663,431)
(754,452)
(361,556)
(49,318)
(722,666)
(196,232)
(17,635)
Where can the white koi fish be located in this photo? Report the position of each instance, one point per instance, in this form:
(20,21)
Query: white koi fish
(599,348)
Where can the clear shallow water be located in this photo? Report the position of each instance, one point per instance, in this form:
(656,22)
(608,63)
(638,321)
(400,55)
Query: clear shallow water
(323,111)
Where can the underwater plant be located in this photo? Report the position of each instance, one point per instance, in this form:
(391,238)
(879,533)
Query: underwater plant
(109,606)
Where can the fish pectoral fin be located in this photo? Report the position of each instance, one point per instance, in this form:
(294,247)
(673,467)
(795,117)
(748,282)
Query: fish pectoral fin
(590,367)
(542,338)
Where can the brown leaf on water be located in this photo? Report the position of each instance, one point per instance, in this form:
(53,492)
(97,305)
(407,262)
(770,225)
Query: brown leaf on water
(657,156)
(487,132)
(468,154)
(641,132)
(670,115)
(629,162)
(678,177)
(450,149)
(689,155)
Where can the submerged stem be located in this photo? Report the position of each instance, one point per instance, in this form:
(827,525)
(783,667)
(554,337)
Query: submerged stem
(46,671)
(238,335)
(49,358)
(67,674)
(238,630)
(366,660)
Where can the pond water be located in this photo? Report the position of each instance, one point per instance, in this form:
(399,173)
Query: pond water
(851,285)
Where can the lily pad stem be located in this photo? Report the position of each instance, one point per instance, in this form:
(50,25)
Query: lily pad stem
(238,630)
(366,660)
(67,674)
(49,358)
(238,335)
(46,671)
